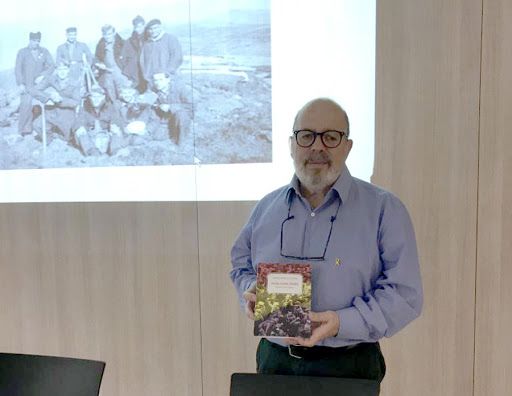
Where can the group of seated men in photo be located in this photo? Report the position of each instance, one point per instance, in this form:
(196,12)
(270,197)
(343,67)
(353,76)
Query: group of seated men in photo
(127,93)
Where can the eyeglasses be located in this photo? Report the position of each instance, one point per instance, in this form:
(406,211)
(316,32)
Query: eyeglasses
(307,137)
(312,258)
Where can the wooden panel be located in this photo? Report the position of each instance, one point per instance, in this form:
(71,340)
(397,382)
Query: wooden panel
(112,281)
(493,371)
(427,90)
(228,343)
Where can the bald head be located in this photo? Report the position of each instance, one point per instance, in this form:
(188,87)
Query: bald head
(325,104)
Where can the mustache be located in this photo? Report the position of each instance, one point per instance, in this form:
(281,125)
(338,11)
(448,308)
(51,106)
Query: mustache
(318,156)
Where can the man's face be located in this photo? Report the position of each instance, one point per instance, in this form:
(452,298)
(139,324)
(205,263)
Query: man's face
(127,95)
(160,81)
(155,30)
(33,44)
(317,166)
(97,99)
(109,35)
(71,37)
(139,28)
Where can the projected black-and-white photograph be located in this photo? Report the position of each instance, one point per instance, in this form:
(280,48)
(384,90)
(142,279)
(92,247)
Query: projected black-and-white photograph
(121,84)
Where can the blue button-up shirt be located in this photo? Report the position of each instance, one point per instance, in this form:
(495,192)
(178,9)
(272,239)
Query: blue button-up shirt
(370,273)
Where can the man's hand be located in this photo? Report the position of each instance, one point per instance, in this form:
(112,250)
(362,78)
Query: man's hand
(115,130)
(250,301)
(325,324)
(101,65)
(55,97)
(165,107)
(80,132)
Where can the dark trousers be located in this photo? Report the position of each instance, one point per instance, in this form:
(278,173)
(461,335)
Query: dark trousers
(363,361)
(25,114)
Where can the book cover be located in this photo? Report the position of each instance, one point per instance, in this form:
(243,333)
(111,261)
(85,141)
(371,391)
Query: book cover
(283,300)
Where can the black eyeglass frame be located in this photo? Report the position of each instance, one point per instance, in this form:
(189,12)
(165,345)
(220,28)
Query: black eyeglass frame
(321,134)
(321,258)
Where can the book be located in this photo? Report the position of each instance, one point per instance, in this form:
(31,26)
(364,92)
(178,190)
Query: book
(283,300)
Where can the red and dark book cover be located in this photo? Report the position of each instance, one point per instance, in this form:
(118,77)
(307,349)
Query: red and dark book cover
(283,300)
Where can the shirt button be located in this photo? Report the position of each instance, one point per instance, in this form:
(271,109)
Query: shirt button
(312,214)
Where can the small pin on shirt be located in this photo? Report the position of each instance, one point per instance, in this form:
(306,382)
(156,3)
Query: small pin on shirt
(338,261)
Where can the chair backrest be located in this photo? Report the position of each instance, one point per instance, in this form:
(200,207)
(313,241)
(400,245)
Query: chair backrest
(282,385)
(33,375)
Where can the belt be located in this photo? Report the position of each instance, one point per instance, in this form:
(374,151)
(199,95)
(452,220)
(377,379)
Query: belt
(314,352)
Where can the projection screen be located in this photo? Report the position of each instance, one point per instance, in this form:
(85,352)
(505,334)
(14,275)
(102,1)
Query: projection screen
(174,100)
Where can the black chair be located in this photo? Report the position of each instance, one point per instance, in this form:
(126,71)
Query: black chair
(32,375)
(295,385)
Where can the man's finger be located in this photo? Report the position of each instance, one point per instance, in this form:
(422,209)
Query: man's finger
(249,296)
(293,340)
(320,333)
(319,316)
(307,342)
(250,300)
(249,309)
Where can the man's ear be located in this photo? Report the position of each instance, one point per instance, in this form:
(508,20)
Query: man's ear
(290,146)
(350,142)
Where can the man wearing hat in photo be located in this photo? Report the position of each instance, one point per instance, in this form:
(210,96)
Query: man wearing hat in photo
(130,54)
(33,64)
(160,53)
(135,111)
(97,129)
(61,97)
(73,53)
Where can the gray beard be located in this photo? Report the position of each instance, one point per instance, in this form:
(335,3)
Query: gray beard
(316,181)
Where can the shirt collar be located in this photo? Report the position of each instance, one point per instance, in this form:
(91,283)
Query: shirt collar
(340,187)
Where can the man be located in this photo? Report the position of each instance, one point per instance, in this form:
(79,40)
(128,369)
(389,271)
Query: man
(359,241)
(160,53)
(98,127)
(73,53)
(61,97)
(33,64)
(130,54)
(108,61)
(172,109)
(135,112)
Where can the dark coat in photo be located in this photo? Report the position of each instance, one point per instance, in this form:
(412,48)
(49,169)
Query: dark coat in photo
(62,114)
(130,59)
(175,122)
(163,55)
(30,64)
(72,55)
